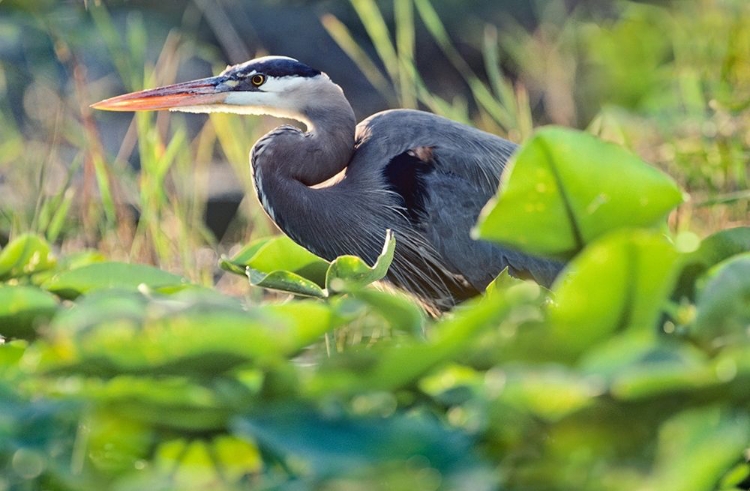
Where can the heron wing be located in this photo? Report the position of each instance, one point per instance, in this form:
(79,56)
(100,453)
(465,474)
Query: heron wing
(477,156)
(444,173)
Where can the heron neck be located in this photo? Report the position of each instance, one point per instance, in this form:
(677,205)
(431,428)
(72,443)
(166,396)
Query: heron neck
(288,162)
(328,144)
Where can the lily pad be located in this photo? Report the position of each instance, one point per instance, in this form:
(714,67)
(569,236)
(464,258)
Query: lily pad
(620,281)
(549,393)
(350,273)
(391,368)
(713,249)
(25,255)
(564,189)
(398,310)
(723,304)
(23,309)
(330,445)
(117,332)
(697,447)
(109,275)
(280,264)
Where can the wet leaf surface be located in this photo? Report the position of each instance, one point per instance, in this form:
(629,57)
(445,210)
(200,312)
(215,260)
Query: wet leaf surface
(110,275)
(565,189)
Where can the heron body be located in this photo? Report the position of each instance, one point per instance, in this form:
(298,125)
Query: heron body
(336,187)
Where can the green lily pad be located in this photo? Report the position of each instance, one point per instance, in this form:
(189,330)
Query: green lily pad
(723,304)
(618,282)
(168,401)
(697,447)
(280,264)
(398,310)
(662,380)
(25,255)
(11,352)
(392,367)
(285,281)
(713,249)
(117,332)
(109,275)
(279,254)
(329,445)
(549,393)
(23,309)
(350,273)
(564,189)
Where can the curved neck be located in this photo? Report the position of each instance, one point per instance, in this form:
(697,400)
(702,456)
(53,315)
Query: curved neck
(329,143)
(287,162)
(318,154)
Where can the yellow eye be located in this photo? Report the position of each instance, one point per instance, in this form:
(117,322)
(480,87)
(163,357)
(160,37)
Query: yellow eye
(257,79)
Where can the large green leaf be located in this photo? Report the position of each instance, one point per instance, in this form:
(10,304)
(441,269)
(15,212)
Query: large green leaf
(565,189)
(286,281)
(394,366)
(108,275)
(25,255)
(174,401)
(549,393)
(639,365)
(723,304)
(713,249)
(350,273)
(281,252)
(23,309)
(321,446)
(697,447)
(620,281)
(115,331)
(11,352)
(280,264)
(400,311)
(70,261)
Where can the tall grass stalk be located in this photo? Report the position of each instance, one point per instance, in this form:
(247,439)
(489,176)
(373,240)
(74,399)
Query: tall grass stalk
(501,106)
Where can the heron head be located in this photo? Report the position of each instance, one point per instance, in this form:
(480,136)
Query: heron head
(274,85)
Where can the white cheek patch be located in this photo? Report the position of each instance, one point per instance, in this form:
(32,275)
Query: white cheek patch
(284,84)
(260,103)
(282,97)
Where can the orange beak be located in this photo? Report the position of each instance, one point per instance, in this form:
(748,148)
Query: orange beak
(201,92)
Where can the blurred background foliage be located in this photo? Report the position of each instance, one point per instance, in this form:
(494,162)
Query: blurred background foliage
(127,376)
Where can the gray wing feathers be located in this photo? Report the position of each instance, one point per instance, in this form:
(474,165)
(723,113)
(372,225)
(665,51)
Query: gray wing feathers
(475,155)
(468,164)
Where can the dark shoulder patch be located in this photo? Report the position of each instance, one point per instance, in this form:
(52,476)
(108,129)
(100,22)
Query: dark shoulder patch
(404,175)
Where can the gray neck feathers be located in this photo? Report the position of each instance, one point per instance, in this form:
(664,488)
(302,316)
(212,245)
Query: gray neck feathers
(287,161)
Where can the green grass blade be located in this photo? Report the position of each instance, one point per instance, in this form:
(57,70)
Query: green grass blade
(376,28)
(343,37)
(405,42)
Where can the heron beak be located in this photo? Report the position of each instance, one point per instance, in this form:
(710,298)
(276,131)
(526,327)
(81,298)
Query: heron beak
(205,91)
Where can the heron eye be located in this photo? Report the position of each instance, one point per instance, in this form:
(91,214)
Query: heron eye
(257,80)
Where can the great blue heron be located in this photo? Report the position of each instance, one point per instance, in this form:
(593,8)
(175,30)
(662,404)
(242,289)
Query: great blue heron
(337,187)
